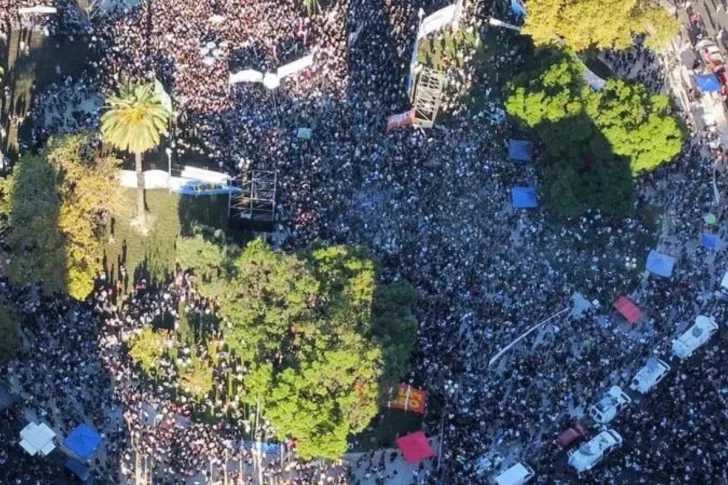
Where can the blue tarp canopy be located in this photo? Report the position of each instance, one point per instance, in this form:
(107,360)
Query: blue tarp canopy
(520,150)
(83,441)
(707,83)
(78,468)
(660,264)
(710,241)
(524,197)
(518,7)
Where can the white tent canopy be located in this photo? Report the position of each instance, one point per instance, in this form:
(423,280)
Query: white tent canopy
(37,438)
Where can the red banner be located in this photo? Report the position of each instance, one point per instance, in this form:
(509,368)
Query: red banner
(410,399)
(400,120)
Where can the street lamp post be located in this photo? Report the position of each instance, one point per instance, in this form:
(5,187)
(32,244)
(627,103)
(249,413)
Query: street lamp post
(169,168)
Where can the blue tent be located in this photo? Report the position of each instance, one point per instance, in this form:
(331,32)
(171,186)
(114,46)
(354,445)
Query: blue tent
(518,8)
(83,441)
(79,469)
(707,83)
(660,264)
(710,241)
(520,150)
(524,197)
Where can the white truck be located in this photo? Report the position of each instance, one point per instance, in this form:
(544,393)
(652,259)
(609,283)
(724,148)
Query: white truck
(649,376)
(518,474)
(588,455)
(694,337)
(607,408)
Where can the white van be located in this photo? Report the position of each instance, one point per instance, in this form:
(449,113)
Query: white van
(649,376)
(607,408)
(696,336)
(588,455)
(518,474)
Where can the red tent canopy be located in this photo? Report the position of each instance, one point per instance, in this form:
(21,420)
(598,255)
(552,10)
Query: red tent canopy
(628,309)
(415,447)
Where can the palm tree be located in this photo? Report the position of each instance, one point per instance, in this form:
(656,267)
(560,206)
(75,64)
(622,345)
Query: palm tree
(134,122)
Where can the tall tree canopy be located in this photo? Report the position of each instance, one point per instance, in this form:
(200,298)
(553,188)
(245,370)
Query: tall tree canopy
(319,336)
(53,205)
(602,24)
(593,139)
(134,121)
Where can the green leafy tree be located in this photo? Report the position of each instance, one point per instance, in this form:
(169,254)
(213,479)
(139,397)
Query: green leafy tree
(134,122)
(594,140)
(147,348)
(637,124)
(55,203)
(320,338)
(197,379)
(582,24)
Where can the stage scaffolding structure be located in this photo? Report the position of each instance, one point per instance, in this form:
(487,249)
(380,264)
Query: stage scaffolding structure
(428,97)
(257,201)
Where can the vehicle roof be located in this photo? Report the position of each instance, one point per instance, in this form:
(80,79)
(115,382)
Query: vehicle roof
(569,435)
(652,368)
(696,334)
(514,474)
(593,449)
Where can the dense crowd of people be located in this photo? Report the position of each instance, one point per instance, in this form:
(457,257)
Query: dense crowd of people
(435,208)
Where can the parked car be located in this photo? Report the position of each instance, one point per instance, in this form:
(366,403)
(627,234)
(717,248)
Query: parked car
(710,54)
(607,408)
(649,376)
(518,474)
(570,436)
(696,336)
(588,455)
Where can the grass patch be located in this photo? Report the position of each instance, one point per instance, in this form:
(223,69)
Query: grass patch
(153,256)
(384,430)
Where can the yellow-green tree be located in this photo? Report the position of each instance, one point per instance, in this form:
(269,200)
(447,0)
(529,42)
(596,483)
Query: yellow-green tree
(602,24)
(147,348)
(54,204)
(134,122)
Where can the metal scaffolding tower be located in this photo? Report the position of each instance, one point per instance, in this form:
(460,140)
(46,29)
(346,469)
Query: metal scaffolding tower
(428,96)
(257,201)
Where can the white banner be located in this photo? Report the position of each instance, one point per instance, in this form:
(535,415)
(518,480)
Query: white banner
(41,10)
(438,20)
(246,76)
(295,66)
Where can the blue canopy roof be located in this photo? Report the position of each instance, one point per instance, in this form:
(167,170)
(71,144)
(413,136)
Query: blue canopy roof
(710,241)
(520,150)
(660,264)
(707,83)
(78,468)
(518,8)
(524,197)
(83,441)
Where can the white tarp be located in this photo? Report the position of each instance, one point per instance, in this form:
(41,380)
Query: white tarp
(295,66)
(246,76)
(39,9)
(438,20)
(37,438)
(272,80)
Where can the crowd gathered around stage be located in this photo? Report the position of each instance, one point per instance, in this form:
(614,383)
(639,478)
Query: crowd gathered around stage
(433,205)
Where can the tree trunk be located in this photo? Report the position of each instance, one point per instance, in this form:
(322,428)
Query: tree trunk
(141,209)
